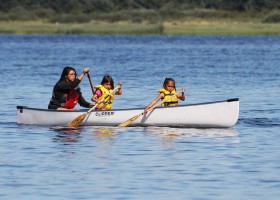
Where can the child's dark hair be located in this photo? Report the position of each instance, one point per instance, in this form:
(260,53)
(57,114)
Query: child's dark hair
(108,79)
(166,80)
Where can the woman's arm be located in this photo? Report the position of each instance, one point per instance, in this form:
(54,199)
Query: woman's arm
(86,70)
(83,102)
(67,85)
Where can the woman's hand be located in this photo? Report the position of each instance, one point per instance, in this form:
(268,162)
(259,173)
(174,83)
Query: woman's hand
(86,70)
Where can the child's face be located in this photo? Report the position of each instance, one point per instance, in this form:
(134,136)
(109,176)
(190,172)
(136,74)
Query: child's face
(170,86)
(107,86)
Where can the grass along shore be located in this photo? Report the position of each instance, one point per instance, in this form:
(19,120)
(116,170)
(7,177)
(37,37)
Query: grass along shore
(187,27)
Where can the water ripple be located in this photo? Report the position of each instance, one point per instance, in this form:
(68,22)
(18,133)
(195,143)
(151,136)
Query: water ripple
(260,122)
(242,162)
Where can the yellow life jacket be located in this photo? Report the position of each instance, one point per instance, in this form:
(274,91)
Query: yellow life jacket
(172,101)
(107,103)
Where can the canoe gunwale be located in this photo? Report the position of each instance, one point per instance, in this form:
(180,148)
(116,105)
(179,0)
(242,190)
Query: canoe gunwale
(127,109)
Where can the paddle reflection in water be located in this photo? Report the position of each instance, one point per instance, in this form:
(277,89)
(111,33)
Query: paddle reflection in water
(167,131)
(67,135)
(103,132)
(104,135)
(167,134)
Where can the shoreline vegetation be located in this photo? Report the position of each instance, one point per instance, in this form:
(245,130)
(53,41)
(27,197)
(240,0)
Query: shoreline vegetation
(191,27)
(139,17)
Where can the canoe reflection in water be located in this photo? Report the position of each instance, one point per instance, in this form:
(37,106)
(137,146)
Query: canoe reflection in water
(67,134)
(167,132)
(169,136)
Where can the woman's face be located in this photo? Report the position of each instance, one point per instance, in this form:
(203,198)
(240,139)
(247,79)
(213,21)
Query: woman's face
(71,75)
(170,86)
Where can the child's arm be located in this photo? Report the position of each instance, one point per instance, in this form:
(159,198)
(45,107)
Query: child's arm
(182,96)
(160,96)
(119,91)
(95,97)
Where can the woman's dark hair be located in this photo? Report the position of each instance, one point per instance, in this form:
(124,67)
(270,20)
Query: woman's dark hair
(166,80)
(108,79)
(65,72)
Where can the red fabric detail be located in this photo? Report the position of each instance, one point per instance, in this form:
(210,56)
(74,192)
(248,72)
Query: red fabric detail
(71,99)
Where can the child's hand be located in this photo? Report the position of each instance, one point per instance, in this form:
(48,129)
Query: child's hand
(146,110)
(119,91)
(183,90)
(120,85)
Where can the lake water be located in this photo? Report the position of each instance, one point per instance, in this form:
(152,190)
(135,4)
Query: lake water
(142,163)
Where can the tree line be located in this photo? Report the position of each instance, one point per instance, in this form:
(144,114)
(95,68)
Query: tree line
(133,10)
(89,6)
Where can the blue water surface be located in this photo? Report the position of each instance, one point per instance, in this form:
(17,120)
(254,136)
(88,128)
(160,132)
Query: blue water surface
(241,162)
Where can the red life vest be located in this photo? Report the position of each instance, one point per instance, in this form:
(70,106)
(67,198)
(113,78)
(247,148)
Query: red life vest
(71,99)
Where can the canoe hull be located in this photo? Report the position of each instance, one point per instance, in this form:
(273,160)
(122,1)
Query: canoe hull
(221,114)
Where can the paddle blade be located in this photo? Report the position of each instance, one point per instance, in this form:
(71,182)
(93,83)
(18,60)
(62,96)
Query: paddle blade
(127,122)
(77,121)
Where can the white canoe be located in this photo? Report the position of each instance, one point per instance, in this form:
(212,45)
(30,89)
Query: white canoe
(220,114)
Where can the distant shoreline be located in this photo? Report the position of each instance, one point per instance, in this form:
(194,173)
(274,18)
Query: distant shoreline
(189,27)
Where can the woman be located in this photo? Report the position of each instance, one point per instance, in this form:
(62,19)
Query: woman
(66,92)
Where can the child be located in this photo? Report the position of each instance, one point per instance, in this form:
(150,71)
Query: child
(102,90)
(168,90)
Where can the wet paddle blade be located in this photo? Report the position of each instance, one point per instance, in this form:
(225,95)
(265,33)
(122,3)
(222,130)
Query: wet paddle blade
(127,122)
(77,121)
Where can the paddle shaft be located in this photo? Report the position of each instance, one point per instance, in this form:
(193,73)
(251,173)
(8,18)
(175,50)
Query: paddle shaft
(102,100)
(127,122)
(78,120)
(161,102)
(92,88)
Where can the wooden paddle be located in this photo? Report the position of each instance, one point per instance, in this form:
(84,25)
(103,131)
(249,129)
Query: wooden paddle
(92,88)
(78,120)
(129,121)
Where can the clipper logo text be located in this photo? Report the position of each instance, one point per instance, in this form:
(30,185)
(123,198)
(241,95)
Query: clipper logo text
(104,113)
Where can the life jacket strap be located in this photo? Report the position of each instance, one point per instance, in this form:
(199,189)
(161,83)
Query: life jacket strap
(170,103)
